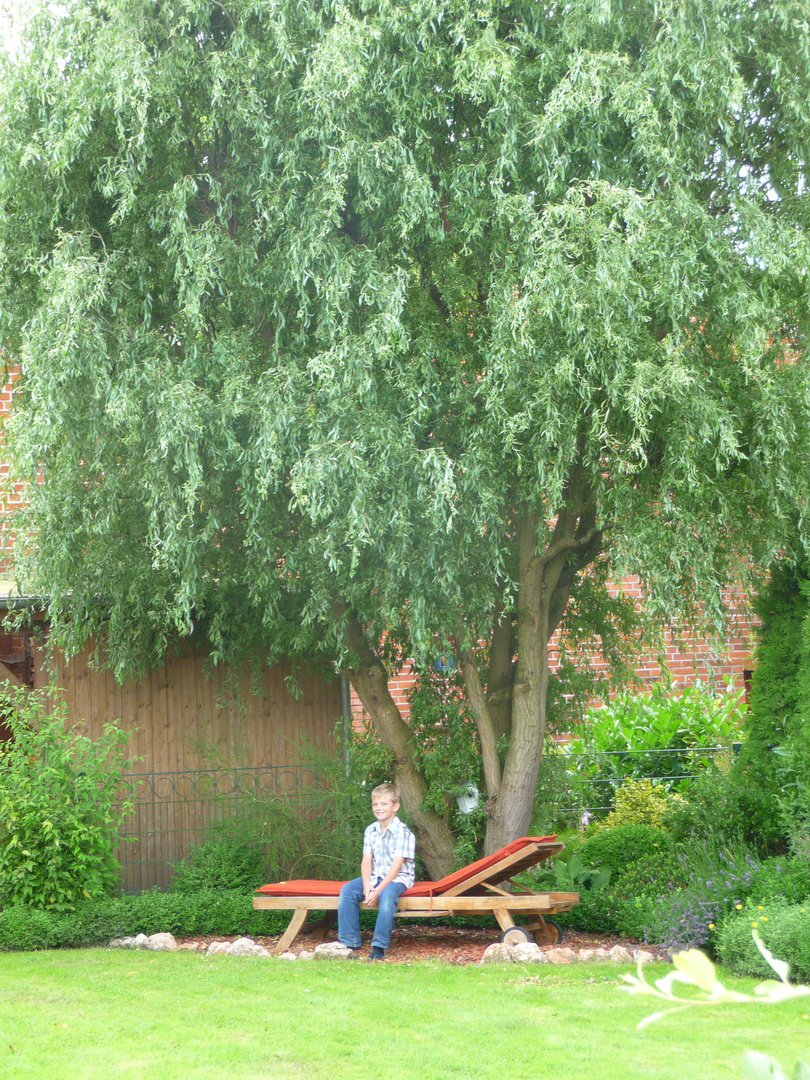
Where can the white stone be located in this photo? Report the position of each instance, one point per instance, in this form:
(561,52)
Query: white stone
(561,956)
(122,943)
(161,942)
(243,946)
(497,953)
(305,954)
(620,955)
(600,955)
(528,952)
(141,941)
(287,955)
(644,956)
(217,947)
(334,949)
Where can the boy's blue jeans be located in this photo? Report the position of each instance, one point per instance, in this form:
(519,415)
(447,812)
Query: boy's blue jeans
(351,896)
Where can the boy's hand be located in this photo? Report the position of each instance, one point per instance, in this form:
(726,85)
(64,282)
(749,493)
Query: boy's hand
(372,896)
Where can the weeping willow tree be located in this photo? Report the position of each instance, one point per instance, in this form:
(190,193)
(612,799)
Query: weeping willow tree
(356,330)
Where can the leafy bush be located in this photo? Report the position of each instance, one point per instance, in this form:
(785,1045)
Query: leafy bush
(221,863)
(785,929)
(639,802)
(25,929)
(782,878)
(653,734)
(719,879)
(597,911)
(709,811)
(660,719)
(775,757)
(60,808)
(619,848)
(653,876)
(96,922)
(630,902)
(272,835)
(610,911)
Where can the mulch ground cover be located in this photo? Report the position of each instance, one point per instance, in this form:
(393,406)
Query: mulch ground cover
(452,944)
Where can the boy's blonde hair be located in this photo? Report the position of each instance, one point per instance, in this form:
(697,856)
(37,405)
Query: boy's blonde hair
(389,789)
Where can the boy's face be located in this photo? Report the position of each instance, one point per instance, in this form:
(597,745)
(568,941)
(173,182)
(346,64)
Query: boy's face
(384,809)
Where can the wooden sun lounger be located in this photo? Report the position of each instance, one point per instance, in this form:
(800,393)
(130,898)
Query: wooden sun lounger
(473,890)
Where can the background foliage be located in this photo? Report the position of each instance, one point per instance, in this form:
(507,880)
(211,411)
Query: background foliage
(61,804)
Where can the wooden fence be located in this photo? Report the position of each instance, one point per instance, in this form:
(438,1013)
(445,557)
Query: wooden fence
(188,714)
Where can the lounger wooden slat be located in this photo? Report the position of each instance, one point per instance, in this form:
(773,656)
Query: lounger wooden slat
(472,890)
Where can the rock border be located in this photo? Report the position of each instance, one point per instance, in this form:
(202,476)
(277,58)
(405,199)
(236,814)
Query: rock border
(497,953)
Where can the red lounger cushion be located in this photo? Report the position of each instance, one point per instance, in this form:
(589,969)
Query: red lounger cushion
(421,888)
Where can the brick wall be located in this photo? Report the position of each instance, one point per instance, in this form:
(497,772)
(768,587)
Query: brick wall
(688,658)
(12,493)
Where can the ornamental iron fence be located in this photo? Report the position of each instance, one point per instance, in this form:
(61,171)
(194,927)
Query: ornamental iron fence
(174,811)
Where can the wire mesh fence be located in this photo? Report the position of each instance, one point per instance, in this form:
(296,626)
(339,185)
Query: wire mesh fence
(573,784)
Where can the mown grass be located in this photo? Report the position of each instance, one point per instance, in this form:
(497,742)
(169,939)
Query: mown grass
(82,1015)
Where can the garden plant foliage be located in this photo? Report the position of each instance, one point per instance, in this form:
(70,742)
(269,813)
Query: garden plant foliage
(61,804)
(360,331)
(659,732)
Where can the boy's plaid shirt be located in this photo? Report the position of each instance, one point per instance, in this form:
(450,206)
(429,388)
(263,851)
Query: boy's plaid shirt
(386,846)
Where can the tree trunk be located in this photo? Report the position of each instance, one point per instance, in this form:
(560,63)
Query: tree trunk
(480,709)
(544,585)
(501,674)
(435,841)
(510,814)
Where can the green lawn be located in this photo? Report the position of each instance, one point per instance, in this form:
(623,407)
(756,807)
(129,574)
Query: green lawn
(76,1015)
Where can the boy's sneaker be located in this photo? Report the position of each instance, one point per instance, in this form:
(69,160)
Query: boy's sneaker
(377,953)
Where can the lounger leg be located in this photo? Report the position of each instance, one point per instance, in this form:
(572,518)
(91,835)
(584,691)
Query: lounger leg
(505,920)
(298,919)
(321,929)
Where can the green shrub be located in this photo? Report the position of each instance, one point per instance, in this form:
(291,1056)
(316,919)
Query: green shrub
(596,911)
(25,929)
(652,876)
(629,903)
(664,719)
(274,835)
(59,805)
(782,878)
(652,734)
(209,911)
(221,863)
(96,922)
(634,915)
(718,879)
(711,808)
(608,911)
(620,848)
(785,930)
(639,802)
(775,758)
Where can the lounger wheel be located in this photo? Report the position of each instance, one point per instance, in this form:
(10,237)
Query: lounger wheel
(516,935)
(550,933)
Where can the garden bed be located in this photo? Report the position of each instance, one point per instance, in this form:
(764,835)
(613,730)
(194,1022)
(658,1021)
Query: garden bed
(452,944)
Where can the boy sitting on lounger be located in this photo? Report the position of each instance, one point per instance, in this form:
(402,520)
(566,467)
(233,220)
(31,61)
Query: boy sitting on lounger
(386,871)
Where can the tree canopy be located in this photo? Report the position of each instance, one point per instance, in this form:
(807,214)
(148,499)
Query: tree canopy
(357,330)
